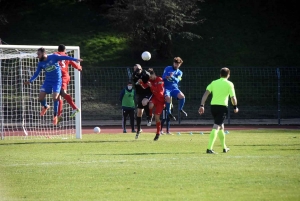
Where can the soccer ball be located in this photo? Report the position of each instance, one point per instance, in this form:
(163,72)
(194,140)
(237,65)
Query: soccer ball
(97,130)
(146,56)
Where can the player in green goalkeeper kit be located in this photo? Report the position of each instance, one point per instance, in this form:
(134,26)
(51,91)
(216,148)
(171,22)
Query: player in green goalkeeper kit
(220,90)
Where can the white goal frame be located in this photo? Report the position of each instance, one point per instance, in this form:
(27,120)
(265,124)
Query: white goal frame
(77,81)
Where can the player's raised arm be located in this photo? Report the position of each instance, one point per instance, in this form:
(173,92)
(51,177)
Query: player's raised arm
(178,78)
(76,66)
(60,58)
(35,75)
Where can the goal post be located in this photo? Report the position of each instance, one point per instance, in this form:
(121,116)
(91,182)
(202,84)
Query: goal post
(19,106)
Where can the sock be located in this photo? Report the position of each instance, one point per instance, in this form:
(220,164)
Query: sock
(168,105)
(146,108)
(68,98)
(138,123)
(157,127)
(212,138)
(150,112)
(181,103)
(44,103)
(55,107)
(221,135)
(60,105)
(162,124)
(168,124)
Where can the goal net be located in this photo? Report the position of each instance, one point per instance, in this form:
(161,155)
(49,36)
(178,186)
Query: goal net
(19,106)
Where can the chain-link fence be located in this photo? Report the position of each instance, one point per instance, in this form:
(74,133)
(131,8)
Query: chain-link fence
(262,92)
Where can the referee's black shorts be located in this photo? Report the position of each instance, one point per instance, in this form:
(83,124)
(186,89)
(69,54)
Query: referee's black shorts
(139,99)
(219,113)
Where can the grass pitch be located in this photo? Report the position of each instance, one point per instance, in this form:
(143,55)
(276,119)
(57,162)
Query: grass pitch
(262,165)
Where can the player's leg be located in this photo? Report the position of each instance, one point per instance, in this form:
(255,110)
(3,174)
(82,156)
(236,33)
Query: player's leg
(218,115)
(131,116)
(168,103)
(46,88)
(140,109)
(124,117)
(148,111)
(221,132)
(163,120)
(55,96)
(158,110)
(67,96)
(56,86)
(60,108)
(178,94)
(168,126)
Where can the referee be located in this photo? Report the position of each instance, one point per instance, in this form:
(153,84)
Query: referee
(220,89)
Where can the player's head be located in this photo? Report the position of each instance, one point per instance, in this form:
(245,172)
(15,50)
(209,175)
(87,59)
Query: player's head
(61,48)
(41,53)
(152,74)
(137,68)
(177,62)
(129,85)
(225,72)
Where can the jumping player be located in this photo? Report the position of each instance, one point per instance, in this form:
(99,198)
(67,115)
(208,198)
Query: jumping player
(172,76)
(142,96)
(220,89)
(156,85)
(52,82)
(64,66)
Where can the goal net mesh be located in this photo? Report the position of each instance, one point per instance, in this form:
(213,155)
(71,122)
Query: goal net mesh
(19,106)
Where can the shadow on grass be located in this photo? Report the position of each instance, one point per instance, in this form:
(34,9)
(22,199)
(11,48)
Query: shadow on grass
(265,145)
(141,154)
(64,142)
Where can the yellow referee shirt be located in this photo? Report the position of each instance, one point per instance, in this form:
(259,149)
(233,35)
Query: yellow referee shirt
(221,89)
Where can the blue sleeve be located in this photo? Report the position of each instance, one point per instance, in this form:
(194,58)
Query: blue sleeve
(36,74)
(178,78)
(60,58)
(165,73)
(122,94)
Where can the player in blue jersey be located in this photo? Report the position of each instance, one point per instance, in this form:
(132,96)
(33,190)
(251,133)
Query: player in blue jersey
(52,82)
(172,76)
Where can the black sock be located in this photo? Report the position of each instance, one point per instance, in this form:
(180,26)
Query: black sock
(138,122)
(146,108)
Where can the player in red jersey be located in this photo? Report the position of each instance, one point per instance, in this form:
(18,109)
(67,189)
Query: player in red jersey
(64,65)
(156,85)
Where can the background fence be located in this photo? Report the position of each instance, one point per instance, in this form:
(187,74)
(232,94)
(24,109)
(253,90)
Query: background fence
(262,92)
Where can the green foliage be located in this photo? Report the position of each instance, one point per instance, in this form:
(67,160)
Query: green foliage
(152,24)
(261,165)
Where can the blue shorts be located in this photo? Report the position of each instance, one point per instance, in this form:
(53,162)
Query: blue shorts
(172,92)
(49,87)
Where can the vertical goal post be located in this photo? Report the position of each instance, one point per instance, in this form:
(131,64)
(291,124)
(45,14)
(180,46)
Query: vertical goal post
(29,51)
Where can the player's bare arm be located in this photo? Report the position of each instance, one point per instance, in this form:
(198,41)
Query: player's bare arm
(204,97)
(234,103)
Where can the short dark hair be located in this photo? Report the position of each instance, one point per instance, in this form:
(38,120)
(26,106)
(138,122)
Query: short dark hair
(151,71)
(61,48)
(129,82)
(42,50)
(224,72)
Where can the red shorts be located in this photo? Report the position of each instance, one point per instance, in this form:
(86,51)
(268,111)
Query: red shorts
(65,83)
(159,105)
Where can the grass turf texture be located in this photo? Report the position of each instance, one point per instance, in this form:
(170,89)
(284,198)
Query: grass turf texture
(262,165)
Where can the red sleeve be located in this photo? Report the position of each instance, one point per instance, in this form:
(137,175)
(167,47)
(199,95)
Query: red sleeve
(144,85)
(159,88)
(75,65)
